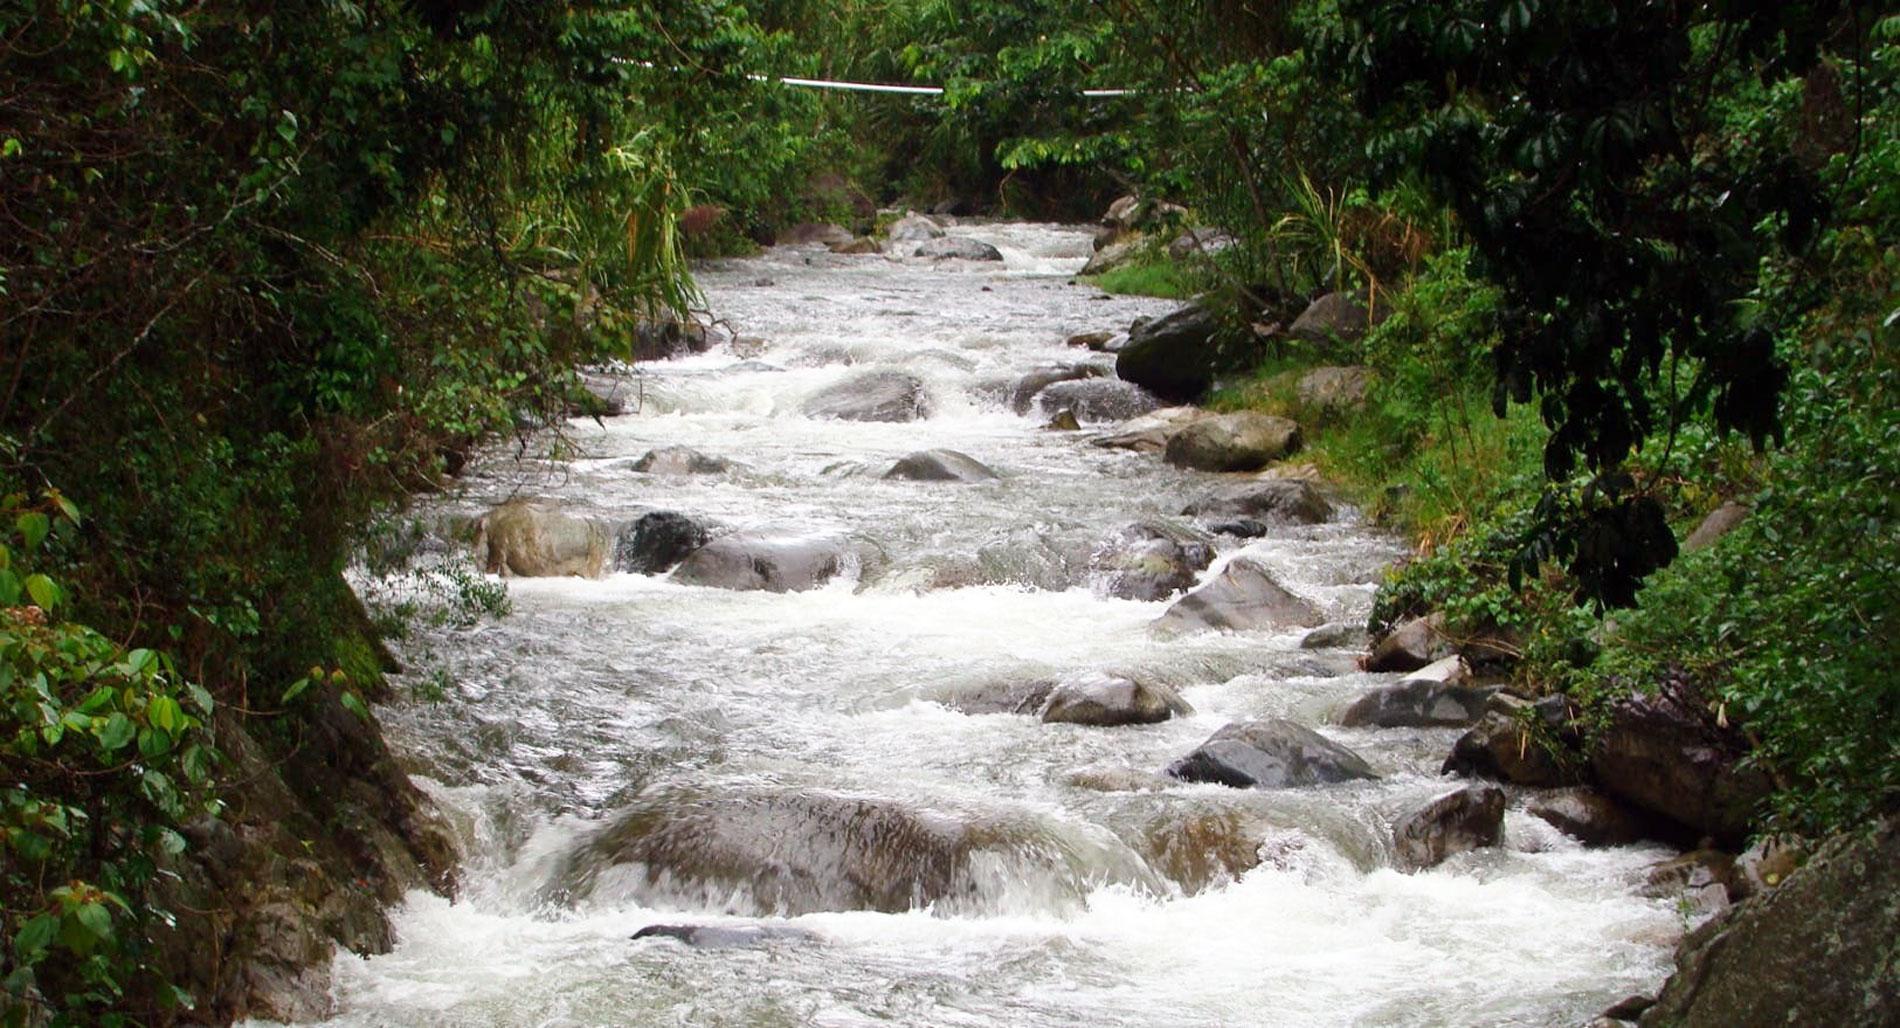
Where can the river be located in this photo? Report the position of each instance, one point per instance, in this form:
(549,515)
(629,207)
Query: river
(1094,896)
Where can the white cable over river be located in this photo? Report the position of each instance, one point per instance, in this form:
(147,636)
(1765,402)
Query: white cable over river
(630,751)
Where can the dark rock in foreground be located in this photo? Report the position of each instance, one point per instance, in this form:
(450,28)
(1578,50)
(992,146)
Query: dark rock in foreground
(1819,949)
(1666,754)
(1518,742)
(1590,817)
(1270,754)
(1174,356)
(1458,822)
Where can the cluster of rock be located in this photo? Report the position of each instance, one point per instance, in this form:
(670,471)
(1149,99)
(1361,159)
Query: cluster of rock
(912,235)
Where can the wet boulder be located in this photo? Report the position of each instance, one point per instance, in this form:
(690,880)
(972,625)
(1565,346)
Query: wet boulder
(1004,696)
(1590,817)
(1417,703)
(913,228)
(1098,399)
(1270,754)
(765,560)
(536,539)
(1702,879)
(1090,340)
(1149,433)
(1519,742)
(1107,700)
(1410,645)
(1278,499)
(1337,634)
(1202,846)
(1111,256)
(1244,441)
(666,338)
(1175,356)
(1666,753)
(1150,561)
(1818,950)
(1244,597)
(871,396)
(959,248)
(657,542)
(941,466)
(1022,395)
(680,460)
(724,936)
(1458,822)
(781,852)
(1334,390)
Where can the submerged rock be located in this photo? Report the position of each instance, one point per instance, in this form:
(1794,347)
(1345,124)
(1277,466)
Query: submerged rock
(763,560)
(1270,754)
(941,466)
(871,396)
(719,936)
(1107,700)
(1023,393)
(1098,399)
(657,542)
(536,539)
(1280,499)
(959,247)
(1245,441)
(1243,597)
(1150,561)
(680,460)
(1458,822)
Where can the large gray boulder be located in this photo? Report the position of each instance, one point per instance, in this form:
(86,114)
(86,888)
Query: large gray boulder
(1666,753)
(1458,822)
(1243,441)
(680,460)
(941,466)
(765,560)
(1278,499)
(1418,703)
(1175,356)
(1098,399)
(787,852)
(1333,316)
(871,396)
(536,539)
(1107,700)
(1150,561)
(1270,754)
(657,542)
(960,248)
(1244,597)
(913,228)
(1334,390)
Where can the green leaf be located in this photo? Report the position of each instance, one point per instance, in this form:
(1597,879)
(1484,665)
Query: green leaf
(200,696)
(33,527)
(154,743)
(118,731)
(66,506)
(139,660)
(35,936)
(171,842)
(96,919)
(296,689)
(163,712)
(9,589)
(44,593)
(354,704)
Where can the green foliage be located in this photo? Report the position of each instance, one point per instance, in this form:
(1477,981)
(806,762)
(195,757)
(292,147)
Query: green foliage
(1162,277)
(107,758)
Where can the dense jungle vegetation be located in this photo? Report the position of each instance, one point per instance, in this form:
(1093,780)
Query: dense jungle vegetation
(267,269)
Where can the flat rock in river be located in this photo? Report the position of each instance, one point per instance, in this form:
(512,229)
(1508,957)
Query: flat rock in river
(1270,754)
(775,562)
(1278,499)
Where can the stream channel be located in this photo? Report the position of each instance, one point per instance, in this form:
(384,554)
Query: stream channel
(628,750)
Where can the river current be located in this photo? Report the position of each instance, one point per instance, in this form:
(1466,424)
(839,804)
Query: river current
(1115,899)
